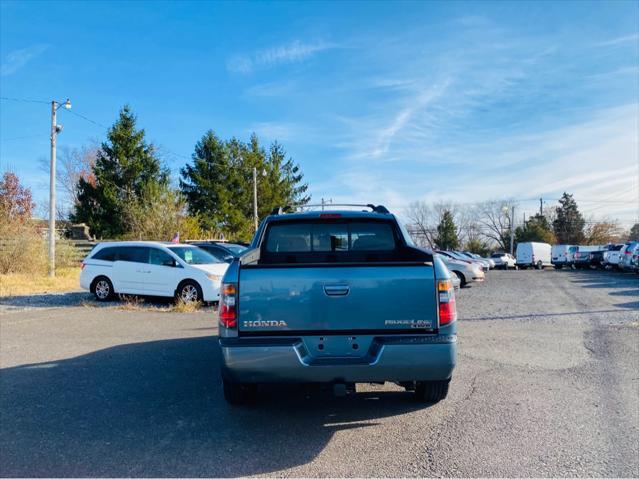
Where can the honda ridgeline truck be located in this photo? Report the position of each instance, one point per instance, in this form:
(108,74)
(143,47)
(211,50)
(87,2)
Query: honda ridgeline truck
(339,297)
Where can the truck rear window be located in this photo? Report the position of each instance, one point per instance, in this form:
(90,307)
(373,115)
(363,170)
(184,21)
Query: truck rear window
(330,237)
(317,241)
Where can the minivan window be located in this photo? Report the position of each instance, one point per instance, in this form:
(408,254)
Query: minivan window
(159,257)
(105,254)
(133,254)
(193,255)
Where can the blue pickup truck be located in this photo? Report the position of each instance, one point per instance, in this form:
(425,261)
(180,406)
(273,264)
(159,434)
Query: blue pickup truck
(339,297)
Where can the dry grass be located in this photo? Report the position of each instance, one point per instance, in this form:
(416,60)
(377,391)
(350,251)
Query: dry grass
(20,284)
(129,302)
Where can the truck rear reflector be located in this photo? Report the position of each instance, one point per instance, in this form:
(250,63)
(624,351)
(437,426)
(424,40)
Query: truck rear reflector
(447,307)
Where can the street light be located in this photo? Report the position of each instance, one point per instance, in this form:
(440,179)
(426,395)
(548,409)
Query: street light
(55,129)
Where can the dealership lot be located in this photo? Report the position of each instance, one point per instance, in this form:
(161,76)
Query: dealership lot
(546,385)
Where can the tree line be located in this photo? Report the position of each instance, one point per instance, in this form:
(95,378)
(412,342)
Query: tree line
(123,190)
(486,226)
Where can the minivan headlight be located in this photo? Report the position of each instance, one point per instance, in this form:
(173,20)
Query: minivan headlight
(214,277)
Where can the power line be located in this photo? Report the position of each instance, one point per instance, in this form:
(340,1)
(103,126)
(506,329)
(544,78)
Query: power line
(88,119)
(23,100)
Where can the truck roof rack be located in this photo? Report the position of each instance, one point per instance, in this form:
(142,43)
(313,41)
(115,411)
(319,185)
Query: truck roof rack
(279,210)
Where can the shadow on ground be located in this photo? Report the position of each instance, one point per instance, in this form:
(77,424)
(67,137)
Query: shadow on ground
(48,300)
(156,409)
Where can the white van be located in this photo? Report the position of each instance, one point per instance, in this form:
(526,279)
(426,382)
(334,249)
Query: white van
(562,255)
(534,255)
(152,268)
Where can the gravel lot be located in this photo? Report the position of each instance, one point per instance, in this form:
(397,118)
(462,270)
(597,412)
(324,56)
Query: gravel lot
(547,385)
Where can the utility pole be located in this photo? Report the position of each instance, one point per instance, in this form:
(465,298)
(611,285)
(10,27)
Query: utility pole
(54,134)
(512,231)
(541,207)
(55,129)
(255,196)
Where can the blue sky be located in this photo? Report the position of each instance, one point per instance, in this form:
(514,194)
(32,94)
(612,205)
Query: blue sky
(378,102)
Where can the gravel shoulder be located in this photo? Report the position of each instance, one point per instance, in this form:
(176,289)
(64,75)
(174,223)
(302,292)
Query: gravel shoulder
(546,385)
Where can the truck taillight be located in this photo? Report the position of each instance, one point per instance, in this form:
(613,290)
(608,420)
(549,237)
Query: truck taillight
(227,311)
(447,308)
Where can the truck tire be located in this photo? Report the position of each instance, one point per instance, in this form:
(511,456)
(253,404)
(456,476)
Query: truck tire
(431,391)
(539,265)
(238,394)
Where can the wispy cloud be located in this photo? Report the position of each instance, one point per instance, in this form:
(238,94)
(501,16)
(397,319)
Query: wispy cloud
(293,52)
(17,59)
(613,42)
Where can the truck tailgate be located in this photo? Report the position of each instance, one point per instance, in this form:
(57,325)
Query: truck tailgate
(334,299)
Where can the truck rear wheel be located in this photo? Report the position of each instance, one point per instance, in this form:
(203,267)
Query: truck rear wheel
(431,391)
(239,394)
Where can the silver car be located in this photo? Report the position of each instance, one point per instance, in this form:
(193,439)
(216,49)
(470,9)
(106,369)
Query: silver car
(466,271)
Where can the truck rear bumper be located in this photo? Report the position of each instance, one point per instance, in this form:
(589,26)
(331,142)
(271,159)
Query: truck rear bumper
(277,360)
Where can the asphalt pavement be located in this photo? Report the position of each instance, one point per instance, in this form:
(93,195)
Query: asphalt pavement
(547,385)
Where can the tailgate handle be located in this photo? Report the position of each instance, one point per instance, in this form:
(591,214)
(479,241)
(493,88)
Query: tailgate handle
(336,289)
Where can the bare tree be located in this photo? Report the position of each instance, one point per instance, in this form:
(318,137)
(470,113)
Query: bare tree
(495,218)
(603,232)
(73,164)
(421,218)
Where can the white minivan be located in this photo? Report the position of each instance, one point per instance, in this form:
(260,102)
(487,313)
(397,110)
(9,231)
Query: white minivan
(152,269)
(534,255)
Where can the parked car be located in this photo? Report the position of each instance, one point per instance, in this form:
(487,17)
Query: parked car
(487,264)
(152,268)
(596,259)
(467,271)
(532,254)
(304,306)
(627,252)
(503,260)
(583,256)
(612,255)
(223,251)
(462,257)
(491,263)
(562,255)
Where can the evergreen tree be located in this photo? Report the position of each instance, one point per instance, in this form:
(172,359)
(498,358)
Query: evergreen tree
(218,184)
(634,233)
(124,166)
(536,229)
(447,233)
(569,223)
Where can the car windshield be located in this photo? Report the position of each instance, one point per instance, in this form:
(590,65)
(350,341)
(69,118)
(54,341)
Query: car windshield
(193,255)
(236,249)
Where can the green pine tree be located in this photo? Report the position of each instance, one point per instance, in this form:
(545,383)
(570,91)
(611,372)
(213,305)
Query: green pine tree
(446,233)
(218,184)
(125,164)
(569,223)
(536,229)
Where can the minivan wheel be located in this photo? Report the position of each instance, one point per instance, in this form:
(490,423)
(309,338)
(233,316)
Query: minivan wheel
(462,279)
(239,394)
(431,391)
(102,288)
(188,292)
